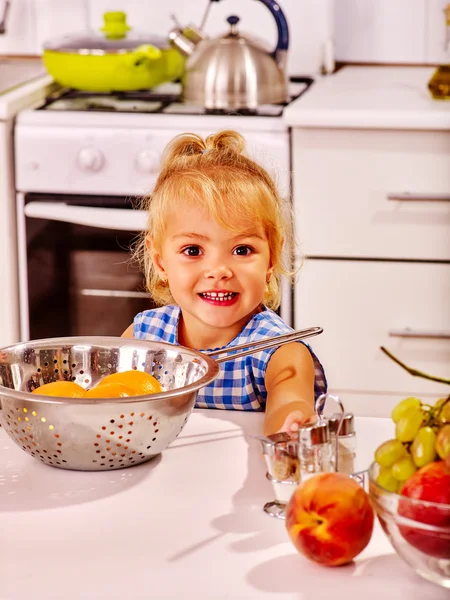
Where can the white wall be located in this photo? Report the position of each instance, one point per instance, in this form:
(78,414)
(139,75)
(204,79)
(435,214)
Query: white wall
(391,31)
(20,37)
(310,21)
(396,31)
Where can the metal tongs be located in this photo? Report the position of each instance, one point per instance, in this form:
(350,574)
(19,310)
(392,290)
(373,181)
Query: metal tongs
(269,342)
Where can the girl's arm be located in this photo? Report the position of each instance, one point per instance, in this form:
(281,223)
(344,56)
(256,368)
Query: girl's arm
(129,332)
(289,383)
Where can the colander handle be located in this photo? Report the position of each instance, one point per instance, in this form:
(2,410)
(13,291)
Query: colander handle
(269,342)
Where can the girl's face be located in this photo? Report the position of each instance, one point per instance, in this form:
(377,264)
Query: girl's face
(216,275)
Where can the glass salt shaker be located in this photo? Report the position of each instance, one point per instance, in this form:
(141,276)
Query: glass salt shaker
(280,452)
(314,450)
(346,441)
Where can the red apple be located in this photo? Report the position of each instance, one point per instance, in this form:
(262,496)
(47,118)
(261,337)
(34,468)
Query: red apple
(329,519)
(430,484)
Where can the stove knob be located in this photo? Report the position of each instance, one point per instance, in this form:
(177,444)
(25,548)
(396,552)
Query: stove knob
(148,161)
(90,159)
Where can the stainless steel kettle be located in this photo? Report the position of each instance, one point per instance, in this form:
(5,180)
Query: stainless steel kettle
(233,71)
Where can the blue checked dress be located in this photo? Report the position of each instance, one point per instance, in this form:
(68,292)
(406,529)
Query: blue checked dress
(240,384)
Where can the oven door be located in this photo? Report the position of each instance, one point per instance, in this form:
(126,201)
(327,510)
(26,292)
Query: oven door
(76,275)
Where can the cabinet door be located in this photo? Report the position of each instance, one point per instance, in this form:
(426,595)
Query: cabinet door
(373,194)
(360,304)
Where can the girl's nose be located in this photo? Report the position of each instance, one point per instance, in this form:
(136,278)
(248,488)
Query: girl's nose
(219,272)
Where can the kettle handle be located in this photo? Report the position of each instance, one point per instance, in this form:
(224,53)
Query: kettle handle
(282,26)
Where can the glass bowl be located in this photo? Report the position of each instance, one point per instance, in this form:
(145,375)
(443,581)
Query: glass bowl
(418,530)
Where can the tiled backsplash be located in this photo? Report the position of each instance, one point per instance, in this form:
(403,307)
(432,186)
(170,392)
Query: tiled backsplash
(383,31)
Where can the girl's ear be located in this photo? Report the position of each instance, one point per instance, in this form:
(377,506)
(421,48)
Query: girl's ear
(156,258)
(269,274)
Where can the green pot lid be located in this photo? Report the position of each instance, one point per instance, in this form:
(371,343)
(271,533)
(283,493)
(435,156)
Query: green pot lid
(115,37)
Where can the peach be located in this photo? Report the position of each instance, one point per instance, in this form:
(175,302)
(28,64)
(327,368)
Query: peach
(329,518)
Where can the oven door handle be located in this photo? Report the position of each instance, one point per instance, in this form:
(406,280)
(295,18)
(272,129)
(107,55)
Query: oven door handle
(103,218)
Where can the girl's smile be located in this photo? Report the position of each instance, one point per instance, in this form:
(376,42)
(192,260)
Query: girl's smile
(219,297)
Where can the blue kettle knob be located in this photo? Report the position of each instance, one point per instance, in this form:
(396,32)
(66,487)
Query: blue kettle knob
(233,20)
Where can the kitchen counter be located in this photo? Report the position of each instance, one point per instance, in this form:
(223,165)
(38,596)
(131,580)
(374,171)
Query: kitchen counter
(16,71)
(187,524)
(371,98)
(23,83)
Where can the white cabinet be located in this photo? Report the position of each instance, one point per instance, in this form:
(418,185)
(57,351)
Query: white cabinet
(372,213)
(363,305)
(373,193)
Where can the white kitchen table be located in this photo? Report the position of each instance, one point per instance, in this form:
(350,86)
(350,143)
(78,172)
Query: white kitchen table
(188,524)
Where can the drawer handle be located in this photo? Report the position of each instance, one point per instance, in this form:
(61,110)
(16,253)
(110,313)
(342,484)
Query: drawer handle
(419,197)
(411,333)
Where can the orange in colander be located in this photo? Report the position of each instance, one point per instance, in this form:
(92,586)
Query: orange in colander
(110,390)
(64,389)
(138,381)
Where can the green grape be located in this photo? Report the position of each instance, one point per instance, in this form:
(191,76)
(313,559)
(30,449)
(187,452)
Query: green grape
(444,414)
(423,447)
(387,481)
(389,452)
(442,445)
(408,425)
(402,407)
(403,468)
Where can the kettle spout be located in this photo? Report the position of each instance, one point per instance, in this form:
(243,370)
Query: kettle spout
(185,40)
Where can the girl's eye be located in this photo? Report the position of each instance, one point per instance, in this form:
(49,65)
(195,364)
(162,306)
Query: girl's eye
(192,251)
(243,251)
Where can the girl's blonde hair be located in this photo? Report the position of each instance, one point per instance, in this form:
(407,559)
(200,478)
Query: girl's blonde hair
(215,174)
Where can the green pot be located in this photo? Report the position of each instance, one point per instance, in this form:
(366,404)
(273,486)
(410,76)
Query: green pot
(113,60)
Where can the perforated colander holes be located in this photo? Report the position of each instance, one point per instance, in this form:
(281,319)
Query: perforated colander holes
(116,442)
(22,433)
(64,370)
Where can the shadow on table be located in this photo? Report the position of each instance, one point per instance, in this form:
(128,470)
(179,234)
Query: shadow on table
(391,577)
(258,530)
(31,485)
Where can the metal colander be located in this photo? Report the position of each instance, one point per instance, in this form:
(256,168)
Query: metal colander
(97,434)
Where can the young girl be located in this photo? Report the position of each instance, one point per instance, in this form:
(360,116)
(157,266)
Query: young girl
(213,258)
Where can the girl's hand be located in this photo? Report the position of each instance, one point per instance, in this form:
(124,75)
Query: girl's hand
(295,419)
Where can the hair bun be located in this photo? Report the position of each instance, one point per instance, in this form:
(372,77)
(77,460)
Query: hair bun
(226,140)
(190,144)
(185,144)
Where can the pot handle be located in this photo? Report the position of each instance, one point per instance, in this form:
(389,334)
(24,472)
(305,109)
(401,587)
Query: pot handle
(283,29)
(143,55)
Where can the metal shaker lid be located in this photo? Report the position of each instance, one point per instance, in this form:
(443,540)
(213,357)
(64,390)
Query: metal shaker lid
(347,427)
(312,435)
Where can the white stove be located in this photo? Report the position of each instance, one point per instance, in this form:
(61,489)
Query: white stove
(81,157)
(22,84)
(112,143)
